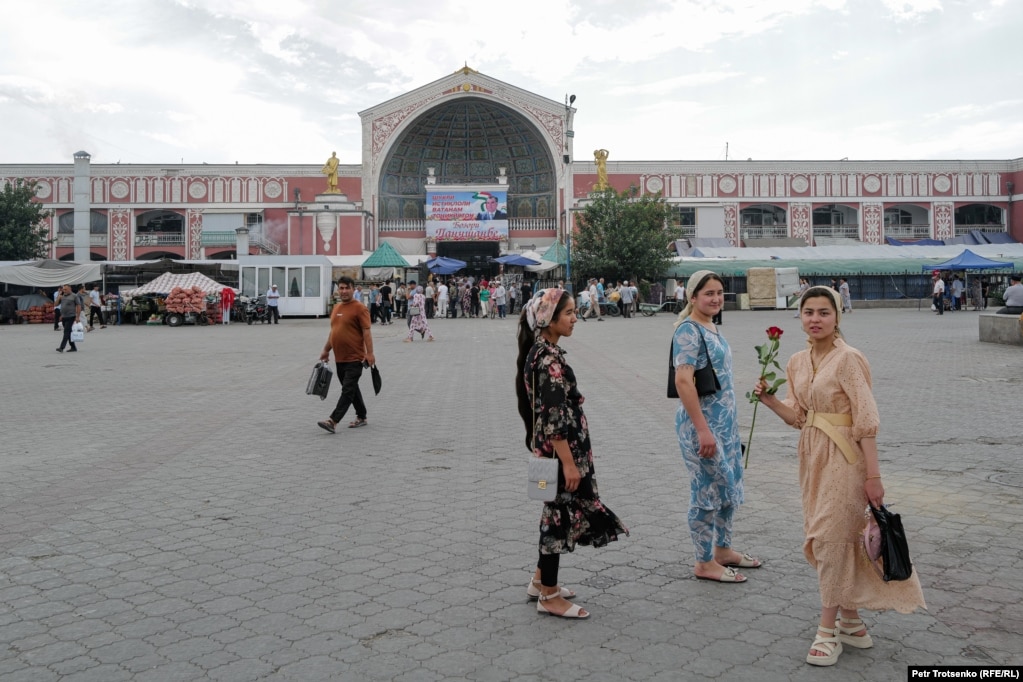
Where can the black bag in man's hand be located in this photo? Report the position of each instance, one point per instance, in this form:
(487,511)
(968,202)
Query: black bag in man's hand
(894,548)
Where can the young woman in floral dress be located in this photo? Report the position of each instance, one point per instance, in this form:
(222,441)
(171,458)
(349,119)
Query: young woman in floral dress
(551,409)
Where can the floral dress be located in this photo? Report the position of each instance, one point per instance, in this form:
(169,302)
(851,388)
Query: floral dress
(418,322)
(714,482)
(572,518)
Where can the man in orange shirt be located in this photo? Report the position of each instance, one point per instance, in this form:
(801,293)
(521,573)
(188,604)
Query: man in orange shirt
(352,342)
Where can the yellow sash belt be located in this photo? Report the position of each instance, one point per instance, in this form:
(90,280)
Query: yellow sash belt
(826,422)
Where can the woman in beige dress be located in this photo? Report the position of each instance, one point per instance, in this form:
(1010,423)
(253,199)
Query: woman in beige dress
(830,400)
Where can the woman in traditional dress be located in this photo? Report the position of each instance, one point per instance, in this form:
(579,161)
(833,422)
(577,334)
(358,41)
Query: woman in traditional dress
(417,322)
(830,400)
(551,408)
(466,299)
(708,433)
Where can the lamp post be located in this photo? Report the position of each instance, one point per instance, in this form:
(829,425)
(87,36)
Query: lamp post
(568,256)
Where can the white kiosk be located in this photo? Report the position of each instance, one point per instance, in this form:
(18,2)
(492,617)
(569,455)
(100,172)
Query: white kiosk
(304,282)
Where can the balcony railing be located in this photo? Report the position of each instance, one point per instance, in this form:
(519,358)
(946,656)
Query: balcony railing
(960,230)
(842,231)
(160,239)
(229,238)
(66,239)
(907,231)
(764,232)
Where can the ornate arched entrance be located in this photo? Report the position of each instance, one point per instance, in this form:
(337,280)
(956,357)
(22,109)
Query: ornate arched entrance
(468,141)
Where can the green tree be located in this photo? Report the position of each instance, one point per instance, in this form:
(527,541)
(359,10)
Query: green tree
(623,236)
(22,236)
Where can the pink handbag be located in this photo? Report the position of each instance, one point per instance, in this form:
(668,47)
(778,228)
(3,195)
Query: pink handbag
(872,538)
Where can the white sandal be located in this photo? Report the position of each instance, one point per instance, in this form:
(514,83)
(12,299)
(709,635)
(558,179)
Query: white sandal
(533,591)
(830,646)
(847,635)
(575,611)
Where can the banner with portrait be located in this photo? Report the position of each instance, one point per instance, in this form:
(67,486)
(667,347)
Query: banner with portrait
(466,215)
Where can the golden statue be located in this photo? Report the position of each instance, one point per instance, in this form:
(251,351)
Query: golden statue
(330,170)
(600,157)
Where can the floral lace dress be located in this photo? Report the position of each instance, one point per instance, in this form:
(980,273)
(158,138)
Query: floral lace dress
(572,518)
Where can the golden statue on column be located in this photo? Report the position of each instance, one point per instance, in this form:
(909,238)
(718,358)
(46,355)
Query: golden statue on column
(600,158)
(330,170)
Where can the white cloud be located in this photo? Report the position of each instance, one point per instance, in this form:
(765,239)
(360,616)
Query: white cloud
(262,80)
(905,10)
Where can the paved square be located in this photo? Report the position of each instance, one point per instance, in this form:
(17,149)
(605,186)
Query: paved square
(170,510)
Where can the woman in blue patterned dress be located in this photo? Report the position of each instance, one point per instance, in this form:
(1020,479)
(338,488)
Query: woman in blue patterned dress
(708,433)
(551,408)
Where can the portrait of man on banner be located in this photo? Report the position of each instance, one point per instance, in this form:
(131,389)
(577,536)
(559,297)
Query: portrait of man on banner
(491,209)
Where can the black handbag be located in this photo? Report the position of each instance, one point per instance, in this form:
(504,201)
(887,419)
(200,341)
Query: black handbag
(895,563)
(705,379)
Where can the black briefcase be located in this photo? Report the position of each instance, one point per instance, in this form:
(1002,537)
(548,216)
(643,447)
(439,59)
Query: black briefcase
(319,382)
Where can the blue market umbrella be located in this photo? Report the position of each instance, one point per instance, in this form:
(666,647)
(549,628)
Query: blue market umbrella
(444,266)
(516,259)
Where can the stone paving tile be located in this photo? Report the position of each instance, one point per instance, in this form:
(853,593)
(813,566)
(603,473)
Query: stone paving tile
(193,523)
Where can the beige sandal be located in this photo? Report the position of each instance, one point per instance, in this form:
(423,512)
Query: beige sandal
(574,611)
(847,635)
(830,646)
(533,591)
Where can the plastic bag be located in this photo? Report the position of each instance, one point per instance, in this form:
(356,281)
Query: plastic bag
(894,548)
(77,333)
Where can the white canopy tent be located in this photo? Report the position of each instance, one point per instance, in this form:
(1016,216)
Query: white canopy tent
(49,274)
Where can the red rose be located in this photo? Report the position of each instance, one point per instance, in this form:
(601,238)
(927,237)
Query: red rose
(774,333)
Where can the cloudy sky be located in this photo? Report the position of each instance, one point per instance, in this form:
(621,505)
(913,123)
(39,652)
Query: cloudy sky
(258,81)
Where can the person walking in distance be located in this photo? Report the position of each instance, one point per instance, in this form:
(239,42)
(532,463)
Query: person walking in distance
(96,308)
(273,297)
(417,319)
(351,340)
(595,310)
(938,293)
(843,291)
(56,308)
(70,308)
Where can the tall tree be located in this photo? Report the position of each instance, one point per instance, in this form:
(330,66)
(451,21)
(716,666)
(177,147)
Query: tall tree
(22,236)
(623,236)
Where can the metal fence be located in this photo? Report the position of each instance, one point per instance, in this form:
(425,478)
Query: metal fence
(862,287)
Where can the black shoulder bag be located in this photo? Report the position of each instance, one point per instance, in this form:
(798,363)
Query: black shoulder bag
(705,379)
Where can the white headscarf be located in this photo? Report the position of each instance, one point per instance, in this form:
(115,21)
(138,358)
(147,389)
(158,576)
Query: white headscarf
(695,280)
(836,298)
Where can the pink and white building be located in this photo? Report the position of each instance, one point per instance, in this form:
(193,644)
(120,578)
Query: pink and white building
(470,130)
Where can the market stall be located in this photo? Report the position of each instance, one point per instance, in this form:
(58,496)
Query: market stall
(175,299)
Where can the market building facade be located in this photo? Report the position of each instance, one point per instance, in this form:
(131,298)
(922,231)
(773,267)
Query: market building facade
(433,157)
